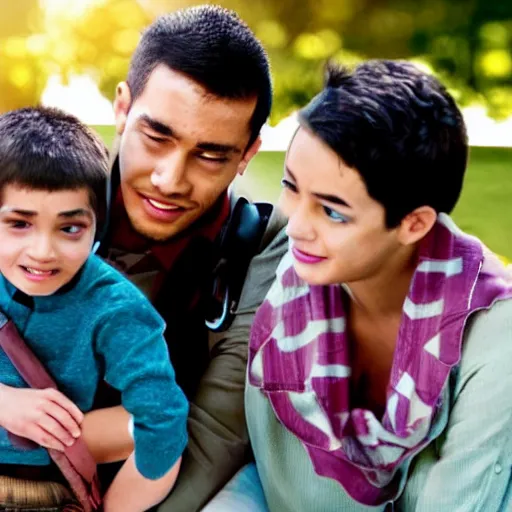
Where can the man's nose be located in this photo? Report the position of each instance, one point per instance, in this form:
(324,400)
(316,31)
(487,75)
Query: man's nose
(170,175)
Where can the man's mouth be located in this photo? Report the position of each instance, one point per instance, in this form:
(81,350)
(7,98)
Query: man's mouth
(162,211)
(163,206)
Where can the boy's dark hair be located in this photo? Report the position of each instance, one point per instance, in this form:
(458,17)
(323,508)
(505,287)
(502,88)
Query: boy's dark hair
(46,149)
(399,128)
(212,46)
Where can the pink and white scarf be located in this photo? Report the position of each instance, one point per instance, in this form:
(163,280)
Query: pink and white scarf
(299,358)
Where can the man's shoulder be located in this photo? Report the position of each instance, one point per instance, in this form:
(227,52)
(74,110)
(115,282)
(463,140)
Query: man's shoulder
(262,214)
(274,237)
(262,268)
(253,243)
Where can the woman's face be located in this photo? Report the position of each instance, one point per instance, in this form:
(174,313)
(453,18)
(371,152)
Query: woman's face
(337,231)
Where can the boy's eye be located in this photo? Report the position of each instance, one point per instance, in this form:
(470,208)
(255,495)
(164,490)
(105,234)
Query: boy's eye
(334,215)
(72,230)
(18,224)
(288,185)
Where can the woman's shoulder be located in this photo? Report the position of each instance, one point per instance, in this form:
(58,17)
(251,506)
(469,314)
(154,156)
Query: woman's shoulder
(487,338)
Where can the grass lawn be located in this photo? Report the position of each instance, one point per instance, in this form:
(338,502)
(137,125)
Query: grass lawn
(485,207)
(107,133)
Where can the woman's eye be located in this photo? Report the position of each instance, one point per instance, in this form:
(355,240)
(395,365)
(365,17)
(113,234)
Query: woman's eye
(334,215)
(288,185)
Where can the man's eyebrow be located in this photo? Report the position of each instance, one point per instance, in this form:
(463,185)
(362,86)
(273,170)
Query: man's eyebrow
(214,147)
(324,197)
(79,212)
(167,131)
(157,126)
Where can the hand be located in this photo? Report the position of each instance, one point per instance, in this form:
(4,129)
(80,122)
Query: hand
(44,416)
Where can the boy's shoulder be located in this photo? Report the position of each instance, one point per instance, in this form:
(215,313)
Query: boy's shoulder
(103,283)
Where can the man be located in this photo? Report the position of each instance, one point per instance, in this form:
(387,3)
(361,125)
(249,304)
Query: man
(188,119)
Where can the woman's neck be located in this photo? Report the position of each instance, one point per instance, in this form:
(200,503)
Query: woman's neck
(384,293)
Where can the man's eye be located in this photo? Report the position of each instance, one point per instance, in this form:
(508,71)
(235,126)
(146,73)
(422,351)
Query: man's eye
(335,216)
(288,185)
(212,157)
(154,138)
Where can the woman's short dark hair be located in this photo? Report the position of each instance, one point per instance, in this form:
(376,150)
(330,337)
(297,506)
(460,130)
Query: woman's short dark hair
(399,128)
(46,149)
(212,46)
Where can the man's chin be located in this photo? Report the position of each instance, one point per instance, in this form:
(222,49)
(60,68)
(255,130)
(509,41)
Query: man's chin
(160,233)
(157,235)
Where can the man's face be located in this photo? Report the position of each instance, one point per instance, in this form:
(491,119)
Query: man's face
(180,149)
(337,231)
(46,237)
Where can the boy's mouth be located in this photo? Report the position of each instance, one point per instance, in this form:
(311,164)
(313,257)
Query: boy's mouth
(38,272)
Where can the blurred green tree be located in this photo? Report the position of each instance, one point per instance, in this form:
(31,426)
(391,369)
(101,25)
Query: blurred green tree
(23,74)
(468,43)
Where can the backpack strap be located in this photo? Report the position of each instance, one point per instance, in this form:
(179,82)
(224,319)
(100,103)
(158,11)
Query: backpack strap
(76,462)
(239,244)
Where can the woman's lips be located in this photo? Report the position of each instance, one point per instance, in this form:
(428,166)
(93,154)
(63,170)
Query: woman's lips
(304,257)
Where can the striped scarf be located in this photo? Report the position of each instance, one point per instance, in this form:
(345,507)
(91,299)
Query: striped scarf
(299,358)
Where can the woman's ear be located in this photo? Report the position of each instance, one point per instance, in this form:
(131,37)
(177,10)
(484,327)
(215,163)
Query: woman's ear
(416,225)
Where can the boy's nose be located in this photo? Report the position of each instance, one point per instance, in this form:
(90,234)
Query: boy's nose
(42,250)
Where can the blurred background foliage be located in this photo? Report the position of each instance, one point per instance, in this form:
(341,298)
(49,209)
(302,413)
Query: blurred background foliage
(468,43)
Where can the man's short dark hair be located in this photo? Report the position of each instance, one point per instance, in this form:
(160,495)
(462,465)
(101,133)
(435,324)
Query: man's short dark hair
(46,149)
(212,46)
(399,128)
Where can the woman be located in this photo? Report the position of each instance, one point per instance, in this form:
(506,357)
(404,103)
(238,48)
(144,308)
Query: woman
(380,366)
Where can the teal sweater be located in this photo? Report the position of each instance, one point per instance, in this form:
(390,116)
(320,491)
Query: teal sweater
(102,327)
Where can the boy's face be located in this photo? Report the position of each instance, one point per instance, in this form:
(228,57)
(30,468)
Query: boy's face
(181,147)
(45,237)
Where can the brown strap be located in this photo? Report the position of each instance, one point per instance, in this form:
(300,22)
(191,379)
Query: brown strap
(76,462)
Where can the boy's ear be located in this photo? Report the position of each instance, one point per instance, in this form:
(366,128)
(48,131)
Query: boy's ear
(122,103)
(416,225)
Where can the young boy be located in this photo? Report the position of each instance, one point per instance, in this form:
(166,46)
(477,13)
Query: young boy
(82,319)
